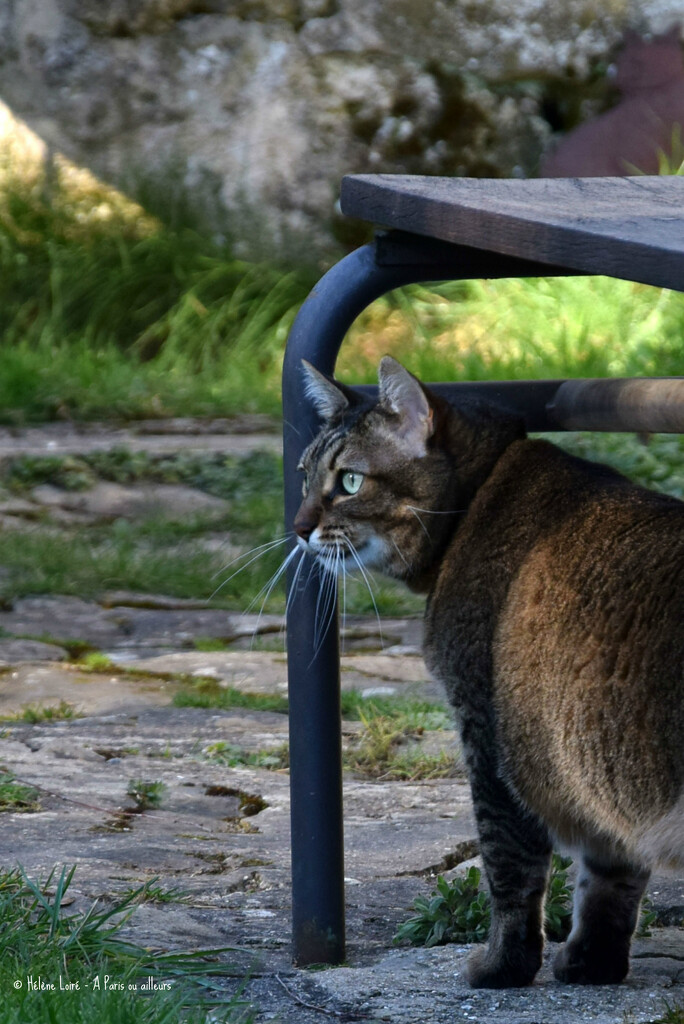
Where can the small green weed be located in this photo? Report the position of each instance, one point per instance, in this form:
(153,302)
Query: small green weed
(648,917)
(410,712)
(674,1014)
(209,644)
(459,911)
(558,904)
(150,892)
(96,661)
(275,758)
(146,795)
(15,796)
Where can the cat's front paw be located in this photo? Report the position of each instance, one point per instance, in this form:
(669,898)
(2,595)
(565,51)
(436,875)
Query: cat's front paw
(510,969)
(584,963)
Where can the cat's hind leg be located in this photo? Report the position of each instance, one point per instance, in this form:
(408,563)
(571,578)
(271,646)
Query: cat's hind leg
(605,914)
(516,851)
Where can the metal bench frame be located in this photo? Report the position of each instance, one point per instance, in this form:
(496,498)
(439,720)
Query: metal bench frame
(394,259)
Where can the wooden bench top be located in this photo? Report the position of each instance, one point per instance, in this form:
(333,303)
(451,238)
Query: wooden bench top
(631,228)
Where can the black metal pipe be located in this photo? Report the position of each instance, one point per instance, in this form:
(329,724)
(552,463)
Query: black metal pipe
(313,663)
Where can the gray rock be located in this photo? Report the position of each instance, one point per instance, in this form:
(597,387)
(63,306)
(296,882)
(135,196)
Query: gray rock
(106,501)
(14,652)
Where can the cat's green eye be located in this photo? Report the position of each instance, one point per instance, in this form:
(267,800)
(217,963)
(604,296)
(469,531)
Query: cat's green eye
(351,482)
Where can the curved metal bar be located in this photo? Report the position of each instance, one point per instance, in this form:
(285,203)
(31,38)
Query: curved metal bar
(313,663)
(313,672)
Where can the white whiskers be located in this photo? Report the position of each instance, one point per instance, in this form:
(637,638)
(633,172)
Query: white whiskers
(436,512)
(431,512)
(330,564)
(366,575)
(255,552)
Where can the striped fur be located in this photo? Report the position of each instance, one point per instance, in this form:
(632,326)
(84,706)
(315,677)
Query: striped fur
(555,590)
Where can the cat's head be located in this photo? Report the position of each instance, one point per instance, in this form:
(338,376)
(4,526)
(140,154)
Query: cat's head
(386,481)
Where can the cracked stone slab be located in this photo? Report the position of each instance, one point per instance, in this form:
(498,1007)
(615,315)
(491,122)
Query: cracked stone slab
(235,868)
(89,693)
(135,630)
(144,625)
(266,672)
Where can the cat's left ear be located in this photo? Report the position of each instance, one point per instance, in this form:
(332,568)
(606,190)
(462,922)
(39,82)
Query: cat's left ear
(330,398)
(402,394)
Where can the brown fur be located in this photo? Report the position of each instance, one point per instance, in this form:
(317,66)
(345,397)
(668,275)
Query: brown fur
(555,594)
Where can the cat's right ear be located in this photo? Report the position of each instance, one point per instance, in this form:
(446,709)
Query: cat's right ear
(328,397)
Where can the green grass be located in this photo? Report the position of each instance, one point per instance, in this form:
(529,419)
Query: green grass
(207,693)
(407,712)
(519,329)
(390,749)
(150,892)
(166,555)
(15,796)
(412,713)
(387,746)
(34,713)
(672,1014)
(75,951)
(228,754)
(128,318)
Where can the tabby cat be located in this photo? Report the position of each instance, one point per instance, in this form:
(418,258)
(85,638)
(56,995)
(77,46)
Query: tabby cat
(555,590)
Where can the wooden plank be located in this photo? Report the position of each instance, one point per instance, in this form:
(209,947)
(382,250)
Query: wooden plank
(644,405)
(631,228)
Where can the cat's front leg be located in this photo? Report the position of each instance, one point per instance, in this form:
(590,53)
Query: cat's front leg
(516,851)
(605,914)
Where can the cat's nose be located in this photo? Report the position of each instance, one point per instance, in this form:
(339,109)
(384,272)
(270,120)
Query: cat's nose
(304,526)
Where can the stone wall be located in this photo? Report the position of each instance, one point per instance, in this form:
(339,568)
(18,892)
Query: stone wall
(258,107)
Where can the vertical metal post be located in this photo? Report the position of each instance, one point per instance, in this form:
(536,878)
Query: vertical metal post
(314,675)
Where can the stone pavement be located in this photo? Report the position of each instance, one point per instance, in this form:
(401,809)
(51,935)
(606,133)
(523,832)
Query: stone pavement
(221,834)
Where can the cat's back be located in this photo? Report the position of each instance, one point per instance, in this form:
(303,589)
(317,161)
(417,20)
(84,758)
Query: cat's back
(560,553)
(565,594)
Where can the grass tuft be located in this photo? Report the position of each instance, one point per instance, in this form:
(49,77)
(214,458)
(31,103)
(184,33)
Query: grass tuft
(388,748)
(96,974)
(147,796)
(208,693)
(15,796)
(35,713)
